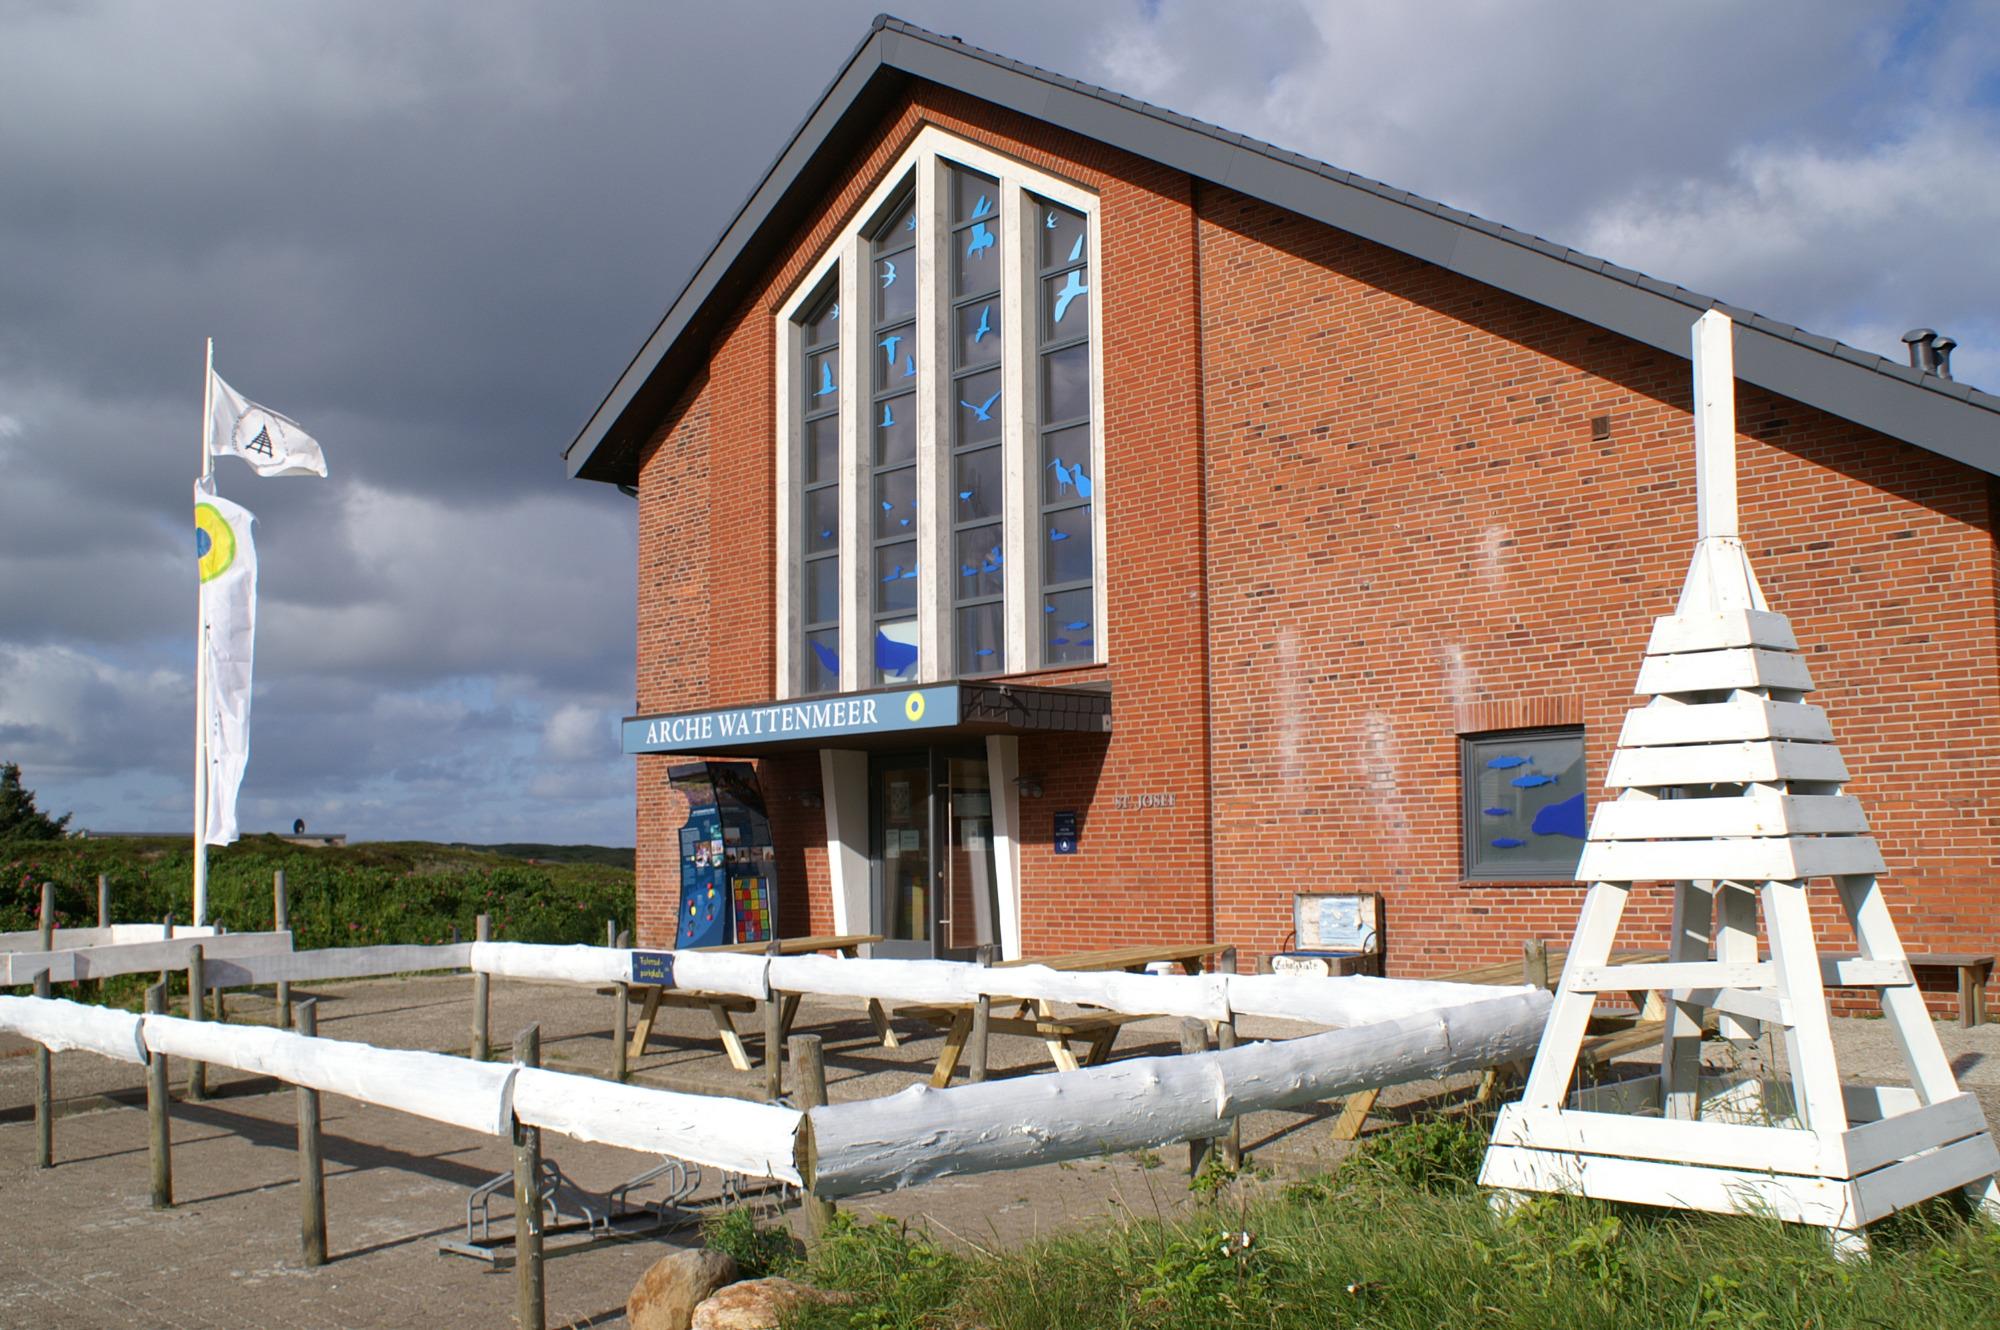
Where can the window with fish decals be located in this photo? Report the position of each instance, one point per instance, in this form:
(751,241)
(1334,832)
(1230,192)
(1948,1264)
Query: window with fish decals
(1525,814)
(943,461)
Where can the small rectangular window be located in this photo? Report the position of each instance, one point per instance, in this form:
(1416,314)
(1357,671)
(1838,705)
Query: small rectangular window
(1525,814)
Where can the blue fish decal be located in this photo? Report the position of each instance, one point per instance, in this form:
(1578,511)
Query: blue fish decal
(982,240)
(1506,843)
(825,378)
(1507,763)
(985,324)
(1530,782)
(1563,819)
(892,655)
(1072,288)
(984,411)
(1498,812)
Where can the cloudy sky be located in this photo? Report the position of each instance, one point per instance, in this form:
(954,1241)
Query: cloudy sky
(434,233)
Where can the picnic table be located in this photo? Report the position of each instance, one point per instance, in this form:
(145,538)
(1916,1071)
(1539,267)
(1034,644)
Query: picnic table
(1541,966)
(723,1007)
(1097,1030)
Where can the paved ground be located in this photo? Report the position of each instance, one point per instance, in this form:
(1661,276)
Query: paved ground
(80,1247)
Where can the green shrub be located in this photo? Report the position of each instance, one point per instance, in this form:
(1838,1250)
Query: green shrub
(1431,1154)
(757,1251)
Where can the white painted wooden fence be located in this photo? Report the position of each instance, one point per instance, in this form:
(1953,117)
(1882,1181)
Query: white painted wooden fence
(104,960)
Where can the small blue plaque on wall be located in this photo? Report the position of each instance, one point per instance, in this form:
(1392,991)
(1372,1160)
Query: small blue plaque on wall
(1065,833)
(653,967)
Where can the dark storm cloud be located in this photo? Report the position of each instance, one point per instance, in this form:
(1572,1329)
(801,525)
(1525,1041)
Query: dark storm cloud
(436,232)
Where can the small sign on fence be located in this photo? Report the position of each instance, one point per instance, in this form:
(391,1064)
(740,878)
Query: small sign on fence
(653,967)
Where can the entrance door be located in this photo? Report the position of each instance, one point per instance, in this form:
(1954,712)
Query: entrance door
(930,823)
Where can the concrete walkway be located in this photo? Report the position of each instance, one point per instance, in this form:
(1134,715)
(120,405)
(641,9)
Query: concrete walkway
(80,1247)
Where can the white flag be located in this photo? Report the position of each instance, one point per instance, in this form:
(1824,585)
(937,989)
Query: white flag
(227,559)
(272,444)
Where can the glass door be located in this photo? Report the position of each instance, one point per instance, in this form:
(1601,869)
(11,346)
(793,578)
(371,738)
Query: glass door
(899,852)
(930,821)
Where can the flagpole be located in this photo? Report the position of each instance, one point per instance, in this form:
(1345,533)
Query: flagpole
(201,669)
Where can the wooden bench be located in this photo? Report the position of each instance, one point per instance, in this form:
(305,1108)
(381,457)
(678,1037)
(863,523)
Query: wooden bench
(723,1007)
(1973,974)
(1099,1029)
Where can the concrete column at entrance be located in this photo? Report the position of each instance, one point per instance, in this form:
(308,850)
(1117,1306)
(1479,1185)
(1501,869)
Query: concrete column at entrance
(843,778)
(1003,764)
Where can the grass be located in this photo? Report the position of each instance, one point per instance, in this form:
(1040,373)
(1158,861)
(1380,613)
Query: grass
(359,895)
(1399,1237)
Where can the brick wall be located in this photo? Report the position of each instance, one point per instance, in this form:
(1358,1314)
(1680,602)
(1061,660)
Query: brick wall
(1354,509)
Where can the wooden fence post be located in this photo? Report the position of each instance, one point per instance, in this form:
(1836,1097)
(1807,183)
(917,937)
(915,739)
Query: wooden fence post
(281,919)
(774,1053)
(197,1082)
(482,988)
(1535,963)
(159,1133)
(529,1304)
(48,924)
(622,1005)
(45,1116)
(1194,1039)
(1232,1143)
(809,1071)
(166,935)
(982,1016)
(312,1168)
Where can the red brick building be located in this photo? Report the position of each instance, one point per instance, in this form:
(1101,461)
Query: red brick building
(1030,470)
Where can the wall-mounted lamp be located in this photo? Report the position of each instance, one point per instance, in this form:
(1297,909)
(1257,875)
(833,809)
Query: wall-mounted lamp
(1030,786)
(809,799)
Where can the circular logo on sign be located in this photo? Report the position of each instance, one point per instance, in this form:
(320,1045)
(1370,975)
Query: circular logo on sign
(214,542)
(913,706)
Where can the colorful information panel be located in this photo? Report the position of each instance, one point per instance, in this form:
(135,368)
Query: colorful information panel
(728,867)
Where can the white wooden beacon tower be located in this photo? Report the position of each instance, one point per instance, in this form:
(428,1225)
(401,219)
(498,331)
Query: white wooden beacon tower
(1729,786)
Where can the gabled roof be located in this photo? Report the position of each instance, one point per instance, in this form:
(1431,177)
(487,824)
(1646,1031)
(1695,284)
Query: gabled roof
(1944,416)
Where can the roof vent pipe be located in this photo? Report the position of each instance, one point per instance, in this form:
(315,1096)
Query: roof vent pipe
(1929,352)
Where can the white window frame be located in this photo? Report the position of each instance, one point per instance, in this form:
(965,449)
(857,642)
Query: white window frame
(927,159)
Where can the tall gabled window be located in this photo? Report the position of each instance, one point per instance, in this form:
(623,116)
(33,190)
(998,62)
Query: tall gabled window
(819,522)
(893,430)
(977,467)
(1067,460)
(947,485)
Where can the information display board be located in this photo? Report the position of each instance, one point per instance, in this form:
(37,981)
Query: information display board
(728,866)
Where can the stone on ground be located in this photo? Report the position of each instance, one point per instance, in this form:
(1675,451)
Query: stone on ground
(759,1304)
(666,1296)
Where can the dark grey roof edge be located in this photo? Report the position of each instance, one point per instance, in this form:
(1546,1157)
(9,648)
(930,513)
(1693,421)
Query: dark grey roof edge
(1943,416)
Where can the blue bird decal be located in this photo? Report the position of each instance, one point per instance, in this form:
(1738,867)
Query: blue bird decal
(909,367)
(1072,288)
(1530,782)
(888,416)
(994,558)
(1075,252)
(894,573)
(983,651)
(1507,843)
(826,535)
(1082,481)
(1498,812)
(967,570)
(888,273)
(1563,819)
(1076,627)
(910,575)
(834,313)
(1058,535)
(889,345)
(1063,480)
(829,659)
(1051,222)
(981,208)
(825,378)
(985,324)
(1059,641)
(1048,609)
(982,239)
(984,411)
(888,507)
(965,496)
(911,225)
(1507,763)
